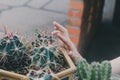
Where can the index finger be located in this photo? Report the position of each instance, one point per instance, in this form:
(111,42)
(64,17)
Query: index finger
(59,27)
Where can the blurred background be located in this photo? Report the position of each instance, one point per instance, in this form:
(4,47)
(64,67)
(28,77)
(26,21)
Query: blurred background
(25,16)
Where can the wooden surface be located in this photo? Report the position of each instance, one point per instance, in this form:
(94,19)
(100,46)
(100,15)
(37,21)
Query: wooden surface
(11,76)
(70,64)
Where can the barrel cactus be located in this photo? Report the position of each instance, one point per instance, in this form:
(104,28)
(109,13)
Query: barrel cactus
(46,57)
(13,55)
(93,71)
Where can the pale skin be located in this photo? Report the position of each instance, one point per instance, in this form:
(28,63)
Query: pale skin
(63,35)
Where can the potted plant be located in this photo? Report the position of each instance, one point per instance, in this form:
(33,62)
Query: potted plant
(41,60)
(94,71)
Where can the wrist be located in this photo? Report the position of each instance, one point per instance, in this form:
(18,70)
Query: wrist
(76,56)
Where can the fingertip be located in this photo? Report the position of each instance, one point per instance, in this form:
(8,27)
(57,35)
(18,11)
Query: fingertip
(53,33)
(54,22)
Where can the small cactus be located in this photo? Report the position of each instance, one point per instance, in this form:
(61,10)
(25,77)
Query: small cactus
(46,57)
(13,55)
(93,71)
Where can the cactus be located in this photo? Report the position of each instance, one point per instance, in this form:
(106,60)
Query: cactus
(43,58)
(105,70)
(46,57)
(84,70)
(13,55)
(93,71)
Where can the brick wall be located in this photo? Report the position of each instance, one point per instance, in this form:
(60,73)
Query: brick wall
(84,17)
(75,14)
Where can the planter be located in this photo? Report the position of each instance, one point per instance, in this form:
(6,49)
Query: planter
(63,75)
(93,71)
(68,73)
(35,61)
(6,75)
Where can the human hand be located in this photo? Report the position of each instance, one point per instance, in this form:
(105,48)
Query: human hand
(63,35)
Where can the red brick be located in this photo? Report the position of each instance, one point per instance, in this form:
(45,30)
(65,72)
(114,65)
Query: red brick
(77,5)
(70,13)
(78,14)
(73,31)
(74,13)
(75,40)
(74,22)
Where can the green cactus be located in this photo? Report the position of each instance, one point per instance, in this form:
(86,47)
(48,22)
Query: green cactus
(46,57)
(41,61)
(84,70)
(93,71)
(105,70)
(13,55)
(43,58)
